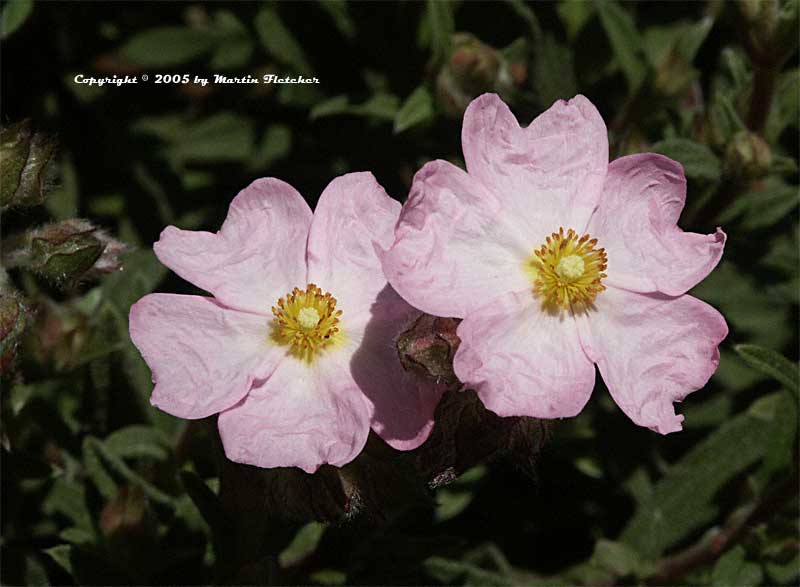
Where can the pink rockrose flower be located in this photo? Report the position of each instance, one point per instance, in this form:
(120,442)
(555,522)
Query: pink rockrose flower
(557,260)
(295,351)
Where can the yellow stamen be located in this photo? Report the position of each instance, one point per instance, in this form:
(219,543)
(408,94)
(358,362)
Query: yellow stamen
(568,270)
(306,321)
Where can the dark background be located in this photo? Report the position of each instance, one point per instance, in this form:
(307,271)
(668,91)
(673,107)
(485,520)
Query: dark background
(92,491)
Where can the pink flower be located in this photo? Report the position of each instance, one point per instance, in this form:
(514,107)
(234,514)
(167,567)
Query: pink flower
(295,351)
(556,260)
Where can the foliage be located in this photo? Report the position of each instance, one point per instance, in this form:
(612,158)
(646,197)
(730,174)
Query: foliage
(98,487)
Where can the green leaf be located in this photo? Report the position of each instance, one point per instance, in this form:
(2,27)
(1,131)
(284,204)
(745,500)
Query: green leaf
(785,109)
(618,558)
(220,137)
(26,172)
(785,573)
(380,106)
(332,106)
(733,569)
(417,109)
(137,442)
(275,145)
(625,41)
(304,543)
(206,501)
(772,364)
(755,313)
(97,472)
(234,47)
(339,13)
(279,42)
(553,71)
(167,46)
(68,498)
(455,572)
(780,449)
(698,161)
(14,15)
(35,573)
(129,474)
(676,508)
(436,29)
(61,554)
(763,206)
(456,497)
(574,16)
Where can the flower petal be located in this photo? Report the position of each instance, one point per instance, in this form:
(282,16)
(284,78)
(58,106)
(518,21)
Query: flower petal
(549,174)
(301,416)
(402,403)
(352,214)
(524,361)
(258,254)
(636,222)
(653,350)
(454,248)
(203,355)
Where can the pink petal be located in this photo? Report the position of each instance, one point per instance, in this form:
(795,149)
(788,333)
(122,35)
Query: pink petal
(402,403)
(636,222)
(258,254)
(353,214)
(653,350)
(301,416)
(454,248)
(203,356)
(523,361)
(547,175)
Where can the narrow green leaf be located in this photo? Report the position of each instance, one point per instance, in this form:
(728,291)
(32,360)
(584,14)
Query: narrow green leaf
(278,40)
(698,161)
(574,16)
(61,554)
(625,41)
(206,501)
(129,474)
(771,363)
(97,472)
(138,441)
(339,13)
(334,105)
(554,71)
(417,108)
(676,508)
(14,15)
(235,47)
(618,558)
(305,542)
(439,26)
(733,569)
(167,46)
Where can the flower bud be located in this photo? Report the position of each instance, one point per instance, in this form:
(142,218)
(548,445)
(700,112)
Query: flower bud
(748,155)
(14,317)
(25,170)
(73,250)
(427,348)
(126,513)
(474,68)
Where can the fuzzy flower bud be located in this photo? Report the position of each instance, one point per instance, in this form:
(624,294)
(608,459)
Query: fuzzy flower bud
(25,170)
(71,251)
(748,155)
(428,347)
(473,68)
(14,316)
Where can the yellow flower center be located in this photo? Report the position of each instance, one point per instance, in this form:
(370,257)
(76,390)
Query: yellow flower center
(568,270)
(306,321)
